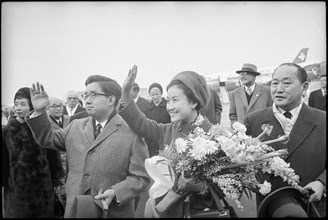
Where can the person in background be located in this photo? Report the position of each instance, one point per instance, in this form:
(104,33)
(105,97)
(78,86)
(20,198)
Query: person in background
(213,109)
(141,102)
(250,97)
(72,107)
(318,98)
(187,93)
(307,146)
(29,171)
(156,111)
(58,121)
(105,157)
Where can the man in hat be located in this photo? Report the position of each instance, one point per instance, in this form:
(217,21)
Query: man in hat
(105,157)
(306,127)
(317,98)
(249,97)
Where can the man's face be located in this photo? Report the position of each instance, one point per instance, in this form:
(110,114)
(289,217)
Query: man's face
(56,108)
(97,104)
(155,95)
(323,82)
(72,99)
(247,78)
(286,88)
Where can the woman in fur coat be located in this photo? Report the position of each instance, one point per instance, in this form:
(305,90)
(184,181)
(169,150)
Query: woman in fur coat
(28,171)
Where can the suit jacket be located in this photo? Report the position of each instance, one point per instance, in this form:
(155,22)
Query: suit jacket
(317,100)
(115,159)
(65,121)
(306,146)
(79,109)
(143,103)
(213,109)
(239,106)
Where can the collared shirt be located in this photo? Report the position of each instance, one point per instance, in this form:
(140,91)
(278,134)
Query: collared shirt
(136,99)
(286,123)
(323,92)
(102,124)
(252,88)
(70,111)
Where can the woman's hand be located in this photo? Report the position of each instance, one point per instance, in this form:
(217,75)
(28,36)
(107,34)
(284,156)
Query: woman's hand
(127,85)
(39,97)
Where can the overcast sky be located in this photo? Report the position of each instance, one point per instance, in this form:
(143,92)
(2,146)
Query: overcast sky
(60,44)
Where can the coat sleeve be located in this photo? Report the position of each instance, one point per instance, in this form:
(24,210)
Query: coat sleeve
(137,179)
(43,133)
(232,111)
(141,125)
(311,99)
(218,107)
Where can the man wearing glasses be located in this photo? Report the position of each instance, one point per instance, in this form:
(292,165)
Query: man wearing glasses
(105,157)
(72,106)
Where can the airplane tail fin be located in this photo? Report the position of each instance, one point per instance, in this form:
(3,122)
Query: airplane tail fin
(301,56)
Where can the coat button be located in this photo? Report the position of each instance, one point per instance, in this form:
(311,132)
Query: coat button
(179,129)
(91,151)
(86,175)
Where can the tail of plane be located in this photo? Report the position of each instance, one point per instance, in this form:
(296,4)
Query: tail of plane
(301,56)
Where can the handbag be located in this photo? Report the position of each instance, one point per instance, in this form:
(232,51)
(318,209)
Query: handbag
(182,207)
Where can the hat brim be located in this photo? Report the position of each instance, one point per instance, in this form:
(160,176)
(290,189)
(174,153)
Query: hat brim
(255,73)
(284,191)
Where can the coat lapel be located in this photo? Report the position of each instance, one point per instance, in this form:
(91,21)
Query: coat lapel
(301,129)
(110,128)
(256,94)
(276,130)
(243,97)
(88,131)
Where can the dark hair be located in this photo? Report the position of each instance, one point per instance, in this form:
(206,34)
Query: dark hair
(301,73)
(323,75)
(187,91)
(135,87)
(24,93)
(107,85)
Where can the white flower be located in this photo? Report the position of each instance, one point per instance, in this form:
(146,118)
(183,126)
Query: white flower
(181,145)
(239,127)
(199,120)
(265,188)
(202,147)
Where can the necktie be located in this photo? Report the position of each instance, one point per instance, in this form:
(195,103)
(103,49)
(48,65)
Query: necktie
(249,90)
(60,123)
(288,115)
(97,130)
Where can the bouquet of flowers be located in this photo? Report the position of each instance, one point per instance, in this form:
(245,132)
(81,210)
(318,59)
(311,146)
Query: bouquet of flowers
(230,159)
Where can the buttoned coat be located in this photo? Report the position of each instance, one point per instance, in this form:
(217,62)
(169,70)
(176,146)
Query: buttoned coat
(317,100)
(306,146)
(115,159)
(239,106)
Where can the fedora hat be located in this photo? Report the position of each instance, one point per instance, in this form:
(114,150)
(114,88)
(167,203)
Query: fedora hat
(283,202)
(250,68)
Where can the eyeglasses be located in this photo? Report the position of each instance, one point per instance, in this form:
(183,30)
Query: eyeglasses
(72,98)
(92,95)
(56,106)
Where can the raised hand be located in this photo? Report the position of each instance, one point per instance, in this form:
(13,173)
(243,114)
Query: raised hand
(127,85)
(39,97)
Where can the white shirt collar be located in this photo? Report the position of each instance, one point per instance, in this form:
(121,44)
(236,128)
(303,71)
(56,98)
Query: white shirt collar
(136,99)
(102,124)
(252,87)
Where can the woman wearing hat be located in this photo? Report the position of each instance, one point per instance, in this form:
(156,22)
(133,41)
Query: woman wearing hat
(187,93)
(28,171)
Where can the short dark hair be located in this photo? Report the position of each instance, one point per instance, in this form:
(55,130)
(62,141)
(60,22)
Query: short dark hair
(301,73)
(323,75)
(107,85)
(187,91)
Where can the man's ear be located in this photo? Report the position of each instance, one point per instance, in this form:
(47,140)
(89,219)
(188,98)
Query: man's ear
(112,100)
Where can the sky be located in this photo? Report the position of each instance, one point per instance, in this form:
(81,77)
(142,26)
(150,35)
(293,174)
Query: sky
(60,44)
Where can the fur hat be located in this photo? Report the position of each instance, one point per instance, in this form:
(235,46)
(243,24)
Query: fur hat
(249,68)
(197,84)
(157,85)
(24,93)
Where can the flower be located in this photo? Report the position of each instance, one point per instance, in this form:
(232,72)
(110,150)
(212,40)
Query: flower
(230,159)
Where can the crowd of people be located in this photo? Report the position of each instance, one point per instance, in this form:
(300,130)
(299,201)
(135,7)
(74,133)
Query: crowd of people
(90,156)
